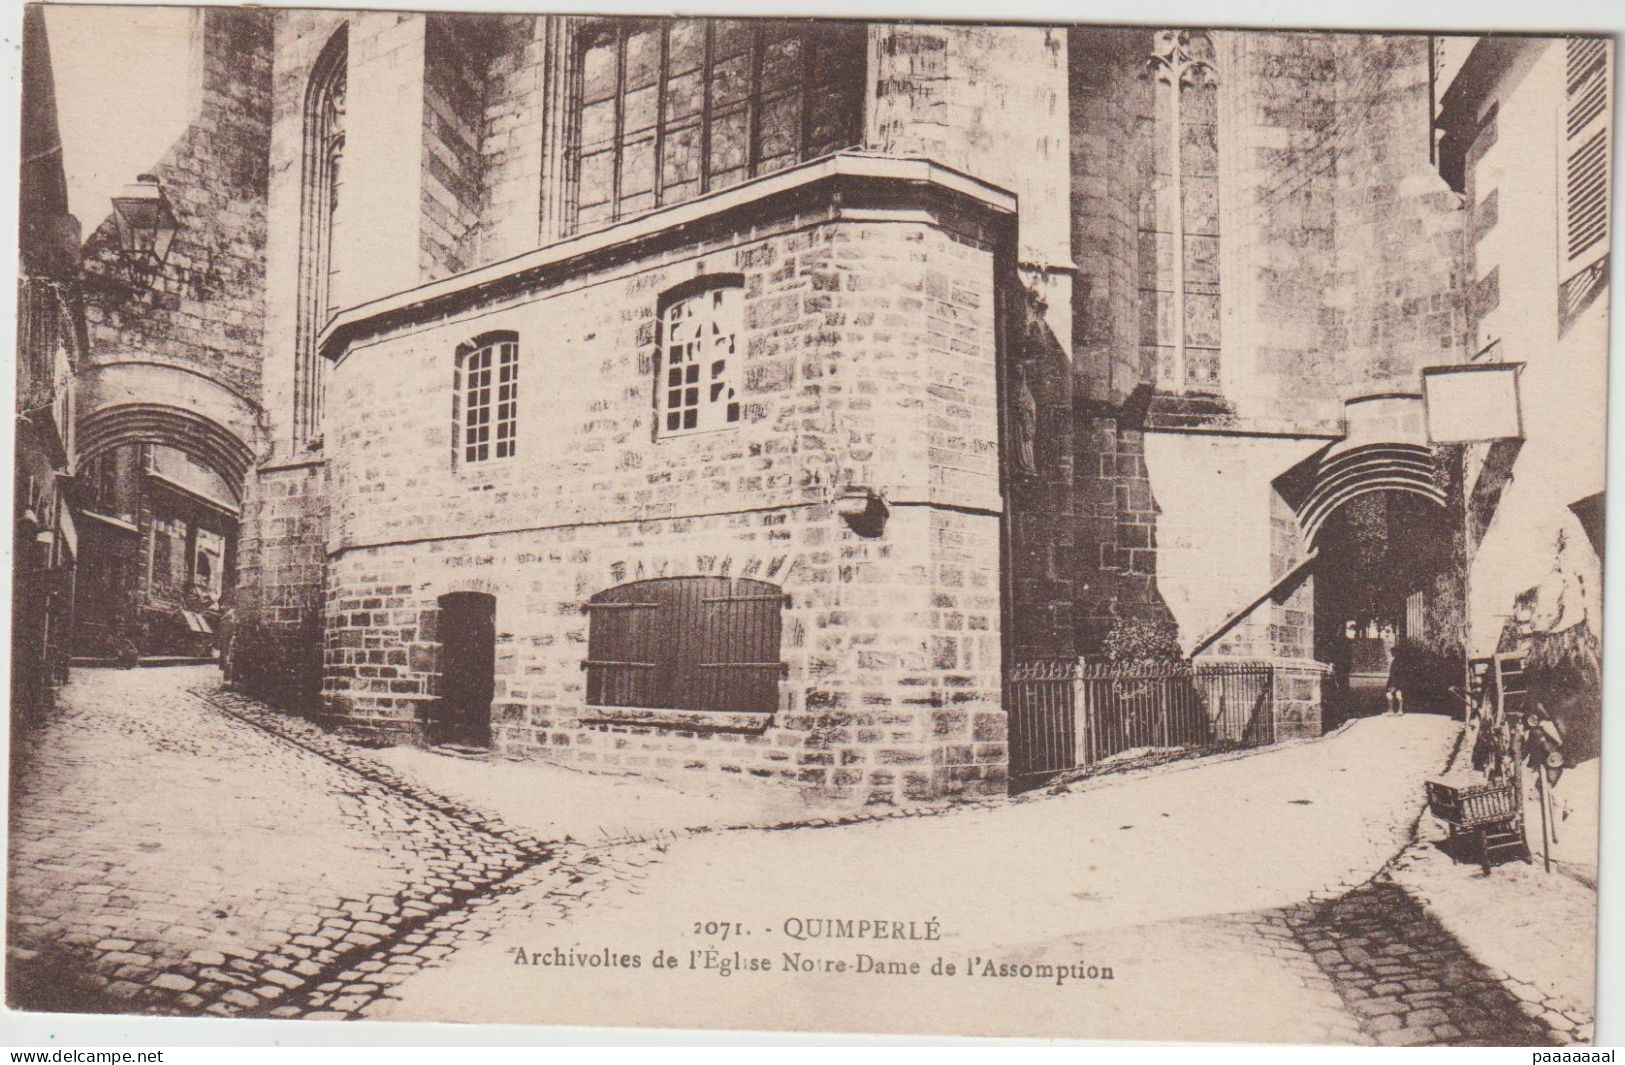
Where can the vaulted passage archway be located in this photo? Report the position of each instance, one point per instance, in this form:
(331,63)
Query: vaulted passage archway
(1381,513)
(151,423)
(1366,470)
(1389,599)
(161,488)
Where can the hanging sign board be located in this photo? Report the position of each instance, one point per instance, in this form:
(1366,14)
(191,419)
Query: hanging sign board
(1467,404)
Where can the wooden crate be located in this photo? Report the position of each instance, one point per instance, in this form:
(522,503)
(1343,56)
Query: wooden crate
(1477,804)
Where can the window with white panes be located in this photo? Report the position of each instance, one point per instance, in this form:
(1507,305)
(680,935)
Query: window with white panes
(488,400)
(698,367)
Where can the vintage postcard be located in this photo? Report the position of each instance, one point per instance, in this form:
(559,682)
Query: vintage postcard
(864,526)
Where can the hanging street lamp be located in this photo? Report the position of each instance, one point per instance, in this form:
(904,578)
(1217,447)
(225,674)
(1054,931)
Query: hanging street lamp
(146,222)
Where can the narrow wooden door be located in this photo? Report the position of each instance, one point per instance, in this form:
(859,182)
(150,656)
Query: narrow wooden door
(467,668)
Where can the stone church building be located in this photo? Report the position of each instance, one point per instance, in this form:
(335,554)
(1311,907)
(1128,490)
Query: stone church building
(751,397)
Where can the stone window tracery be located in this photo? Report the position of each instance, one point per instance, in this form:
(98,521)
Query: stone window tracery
(1179,215)
(696,370)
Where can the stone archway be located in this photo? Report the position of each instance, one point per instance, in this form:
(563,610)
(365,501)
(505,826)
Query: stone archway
(1379,514)
(1389,594)
(152,423)
(1368,469)
(162,487)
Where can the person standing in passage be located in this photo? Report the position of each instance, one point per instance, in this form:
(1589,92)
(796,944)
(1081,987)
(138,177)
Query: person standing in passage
(1399,668)
(226,633)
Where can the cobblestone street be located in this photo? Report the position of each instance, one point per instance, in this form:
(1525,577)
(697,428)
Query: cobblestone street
(1043,527)
(169,857)
(177,849)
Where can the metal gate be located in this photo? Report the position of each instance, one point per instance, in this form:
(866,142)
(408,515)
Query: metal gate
(1070,714)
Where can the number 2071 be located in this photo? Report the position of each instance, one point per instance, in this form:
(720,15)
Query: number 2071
(719,929)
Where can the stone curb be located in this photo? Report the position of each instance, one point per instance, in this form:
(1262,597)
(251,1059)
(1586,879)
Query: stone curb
(333,746)
(330,746)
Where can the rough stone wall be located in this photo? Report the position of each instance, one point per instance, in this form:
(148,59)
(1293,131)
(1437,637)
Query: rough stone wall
(1218,521)
(1117,531)
(281,573)
(454,117)
(992,101)
(1324,184)
(1111,136)
(1110,105)
(879,705)
(380,248)
(1337,238)
(299,37)
(1039,480)
(1299,707)
(377,248)
(281,544)
(1286,138)
(187,333)
(857,357)
(203,309)
(1400,229)
(892,642)
(411,78)
(511,146)
(281,554)
(1347,236)
(1292,624)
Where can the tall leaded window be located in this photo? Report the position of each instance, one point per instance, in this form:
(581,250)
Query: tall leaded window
(320,218)
(696,372)
(671,109)
(1179,216)
(487,404)
(686,643)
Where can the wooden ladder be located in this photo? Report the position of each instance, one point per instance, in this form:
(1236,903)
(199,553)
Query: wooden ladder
(1511,686)
(1503,840)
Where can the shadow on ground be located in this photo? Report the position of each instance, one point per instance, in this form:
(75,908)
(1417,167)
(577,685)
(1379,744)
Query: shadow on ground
(1407,979)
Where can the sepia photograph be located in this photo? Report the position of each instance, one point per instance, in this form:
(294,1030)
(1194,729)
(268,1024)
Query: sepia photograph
(874,526)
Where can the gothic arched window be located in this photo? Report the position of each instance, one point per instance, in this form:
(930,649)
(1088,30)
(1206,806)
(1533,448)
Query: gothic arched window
(1179,219)
(319,226)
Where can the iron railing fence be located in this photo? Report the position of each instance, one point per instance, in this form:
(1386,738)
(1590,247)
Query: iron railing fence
(1240,700)
(1070,714)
